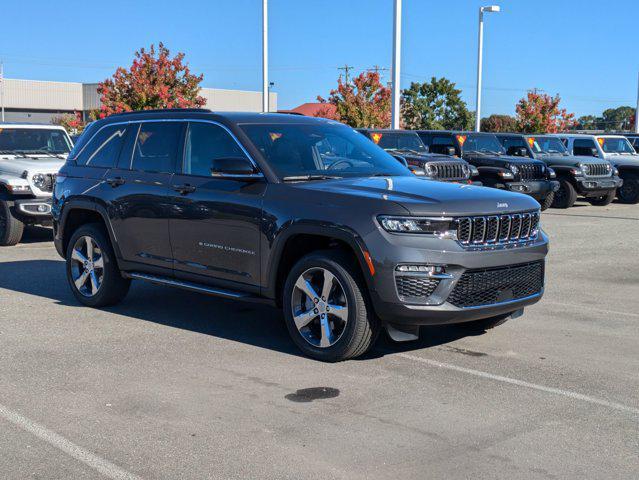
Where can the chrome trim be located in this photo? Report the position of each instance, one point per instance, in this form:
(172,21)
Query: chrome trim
(514,229)
(27,212)
(187,285)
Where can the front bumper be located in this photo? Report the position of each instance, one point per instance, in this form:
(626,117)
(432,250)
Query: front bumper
(596,187)
(33,210)
(538,189)
(436,308)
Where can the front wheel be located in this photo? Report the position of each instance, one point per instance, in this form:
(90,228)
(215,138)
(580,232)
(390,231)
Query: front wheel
(326,308)
(92,271)
(629,191)
(602,201)
(11,228)
(548,201)
(566,196)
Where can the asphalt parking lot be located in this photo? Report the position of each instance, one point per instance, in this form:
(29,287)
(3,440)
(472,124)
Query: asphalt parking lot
(171,384)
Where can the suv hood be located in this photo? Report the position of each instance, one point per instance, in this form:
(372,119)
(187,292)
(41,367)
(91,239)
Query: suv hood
(17,165)
(430,157)
(501,160)
(425,197)
(567,160)
(628,160)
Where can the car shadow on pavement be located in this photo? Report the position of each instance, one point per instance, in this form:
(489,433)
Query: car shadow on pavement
(34,234)
(245,322)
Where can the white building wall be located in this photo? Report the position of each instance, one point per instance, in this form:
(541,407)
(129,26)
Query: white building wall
(39,95)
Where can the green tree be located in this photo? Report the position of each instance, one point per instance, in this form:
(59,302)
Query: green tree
(589,122)
(499,123)
(362,103)
(435,105)
(618,118)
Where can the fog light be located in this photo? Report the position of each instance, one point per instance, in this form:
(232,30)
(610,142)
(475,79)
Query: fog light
(43,208)
(430,269)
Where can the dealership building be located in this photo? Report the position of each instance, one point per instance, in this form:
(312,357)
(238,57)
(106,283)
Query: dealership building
(37,101)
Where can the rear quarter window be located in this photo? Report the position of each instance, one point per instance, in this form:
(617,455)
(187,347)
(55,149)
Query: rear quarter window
(103,148)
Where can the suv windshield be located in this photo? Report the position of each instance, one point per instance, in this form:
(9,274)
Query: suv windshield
(33,141)
(548,145)
(478,143)
(399,141)
(322,150)
(615,145)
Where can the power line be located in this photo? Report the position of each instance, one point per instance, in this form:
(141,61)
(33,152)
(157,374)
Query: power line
(346,69)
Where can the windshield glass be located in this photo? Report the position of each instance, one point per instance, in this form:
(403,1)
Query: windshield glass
(473,142)
(547,145)
(320,149)
(33,141)
(399,141)
(615,145)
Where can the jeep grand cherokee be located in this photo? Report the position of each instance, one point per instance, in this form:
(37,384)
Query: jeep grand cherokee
(248,206)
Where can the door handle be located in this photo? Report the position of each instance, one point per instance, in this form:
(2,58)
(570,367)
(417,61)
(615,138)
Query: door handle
(115,182)
(184,189)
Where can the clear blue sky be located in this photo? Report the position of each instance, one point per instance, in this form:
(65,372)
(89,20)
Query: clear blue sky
(586,51)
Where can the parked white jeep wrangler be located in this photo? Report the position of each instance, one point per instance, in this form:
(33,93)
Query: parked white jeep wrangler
(30,157)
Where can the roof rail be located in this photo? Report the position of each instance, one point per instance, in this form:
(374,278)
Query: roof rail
(165,110)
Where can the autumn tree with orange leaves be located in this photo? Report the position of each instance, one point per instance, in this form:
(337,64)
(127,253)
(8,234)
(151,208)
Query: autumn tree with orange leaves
(362,103)
(540,113)
(155,80)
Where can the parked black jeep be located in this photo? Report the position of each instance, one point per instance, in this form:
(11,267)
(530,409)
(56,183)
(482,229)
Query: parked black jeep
(408,148)
(496,168)
(595,179)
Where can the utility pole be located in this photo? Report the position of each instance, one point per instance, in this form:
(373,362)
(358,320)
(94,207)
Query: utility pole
(378,70)
(265,92)
(2,89)
(637,109)
(480,47)
(346,69)
(395,74)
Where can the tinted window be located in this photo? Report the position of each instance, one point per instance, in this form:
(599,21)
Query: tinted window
(103,149)
(398,141)
(34,140)
(156,146)
(615,145)
(448,141)
(512,144)
(583,147)
(205,143)
(321,149)
(479,143)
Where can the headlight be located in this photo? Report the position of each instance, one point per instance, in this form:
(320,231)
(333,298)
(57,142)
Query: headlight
(506,175)
(615,172)
(431,170)
(584,168)
(514,169)
(551,173)
(473,171)
(39,180)
(442,227)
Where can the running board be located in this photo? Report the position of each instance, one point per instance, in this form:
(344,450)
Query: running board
(194,287)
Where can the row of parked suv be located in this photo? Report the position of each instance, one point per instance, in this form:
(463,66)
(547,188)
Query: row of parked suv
(553,169)
(302,213)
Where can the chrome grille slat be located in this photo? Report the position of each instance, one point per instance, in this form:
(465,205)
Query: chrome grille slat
(449,170)
(598,170)
(497,230)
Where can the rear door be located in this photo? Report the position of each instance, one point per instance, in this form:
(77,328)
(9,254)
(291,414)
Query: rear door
(139,189)
(215,233)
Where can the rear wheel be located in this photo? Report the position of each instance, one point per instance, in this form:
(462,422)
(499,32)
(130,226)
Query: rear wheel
(629,191)
(326,308)
(11,229)
(566,196)
(604,200)
(92,271)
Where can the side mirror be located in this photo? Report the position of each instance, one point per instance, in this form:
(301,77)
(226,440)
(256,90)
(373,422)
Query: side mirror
(232,166)
(595,152)
(523,152)
(400,159)
(451,151)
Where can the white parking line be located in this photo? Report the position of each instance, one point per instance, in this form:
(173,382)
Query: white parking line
(520,383)
(97,463)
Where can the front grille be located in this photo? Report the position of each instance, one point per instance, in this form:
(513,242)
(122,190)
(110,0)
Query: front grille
(531,171)
(598,170)
(449,170)
(415,286)
(497,229)
(495,285)
(49,182)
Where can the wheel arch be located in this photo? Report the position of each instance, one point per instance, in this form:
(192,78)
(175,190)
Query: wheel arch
(81,212)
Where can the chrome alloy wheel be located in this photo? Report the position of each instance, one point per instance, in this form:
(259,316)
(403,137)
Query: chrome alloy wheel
(320,307)
(87,266)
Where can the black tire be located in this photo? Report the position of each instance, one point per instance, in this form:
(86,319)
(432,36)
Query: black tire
(629,191)
(362,328)
(486,323)
(566,196)
(11,229)
(603,201)
(547,202)
(113,287)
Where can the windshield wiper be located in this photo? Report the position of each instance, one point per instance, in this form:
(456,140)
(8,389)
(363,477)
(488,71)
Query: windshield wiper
(302,178)
(40,152)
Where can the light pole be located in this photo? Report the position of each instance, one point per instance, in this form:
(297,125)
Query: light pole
(490,9)
(264,55)
(397,46)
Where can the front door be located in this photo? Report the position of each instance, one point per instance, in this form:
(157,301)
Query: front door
(215,231)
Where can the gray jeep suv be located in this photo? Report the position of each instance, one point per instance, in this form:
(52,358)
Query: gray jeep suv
(303,213)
